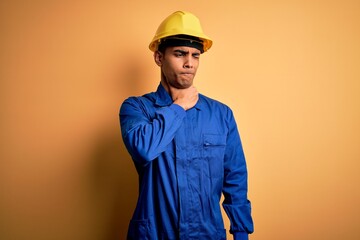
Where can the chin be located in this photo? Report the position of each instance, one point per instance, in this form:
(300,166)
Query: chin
(181,83)
(185,83)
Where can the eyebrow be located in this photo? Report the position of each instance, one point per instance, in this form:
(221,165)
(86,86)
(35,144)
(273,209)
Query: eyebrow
(185,52)
(181,51)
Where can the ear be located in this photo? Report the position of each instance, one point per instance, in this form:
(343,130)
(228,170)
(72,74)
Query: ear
(158,58)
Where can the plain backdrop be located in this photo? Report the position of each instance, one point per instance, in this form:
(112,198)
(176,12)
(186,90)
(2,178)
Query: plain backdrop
(290,70)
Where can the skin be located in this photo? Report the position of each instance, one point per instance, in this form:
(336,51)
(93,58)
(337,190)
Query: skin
(178,68)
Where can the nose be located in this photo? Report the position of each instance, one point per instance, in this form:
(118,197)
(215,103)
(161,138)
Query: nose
(188,62)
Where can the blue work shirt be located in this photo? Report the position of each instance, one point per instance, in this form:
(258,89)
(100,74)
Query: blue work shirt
(185,161)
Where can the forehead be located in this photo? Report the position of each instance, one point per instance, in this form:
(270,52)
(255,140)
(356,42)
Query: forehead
(187,49)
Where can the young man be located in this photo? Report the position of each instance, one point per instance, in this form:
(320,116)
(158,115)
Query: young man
(185,146)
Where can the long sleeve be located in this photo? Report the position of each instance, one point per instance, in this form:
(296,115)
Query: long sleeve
(146,131)
(236,204)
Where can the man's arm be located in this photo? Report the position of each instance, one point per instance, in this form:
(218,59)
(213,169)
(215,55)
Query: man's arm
(236,204)
(147,138)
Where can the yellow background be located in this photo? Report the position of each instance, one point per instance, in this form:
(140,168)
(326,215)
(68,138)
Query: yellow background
(290,70)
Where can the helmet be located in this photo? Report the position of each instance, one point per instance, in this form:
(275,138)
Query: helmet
(180,23)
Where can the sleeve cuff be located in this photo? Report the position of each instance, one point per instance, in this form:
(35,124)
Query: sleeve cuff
(240,236)
(177,109)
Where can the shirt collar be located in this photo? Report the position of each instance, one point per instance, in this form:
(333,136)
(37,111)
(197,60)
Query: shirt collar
(163,98)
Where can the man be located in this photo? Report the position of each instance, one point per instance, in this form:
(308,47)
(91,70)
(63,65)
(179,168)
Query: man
(185,146)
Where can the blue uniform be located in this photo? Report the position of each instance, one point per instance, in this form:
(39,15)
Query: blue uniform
(185,161)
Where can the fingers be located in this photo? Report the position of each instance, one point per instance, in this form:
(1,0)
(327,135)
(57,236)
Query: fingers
(186,98)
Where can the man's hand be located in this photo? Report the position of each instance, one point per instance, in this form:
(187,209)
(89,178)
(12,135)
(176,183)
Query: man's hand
(186,98)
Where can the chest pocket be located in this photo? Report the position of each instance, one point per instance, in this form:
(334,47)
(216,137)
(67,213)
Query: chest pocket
(213,152)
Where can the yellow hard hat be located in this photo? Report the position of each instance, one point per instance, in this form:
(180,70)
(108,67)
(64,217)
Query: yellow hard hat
(180,23)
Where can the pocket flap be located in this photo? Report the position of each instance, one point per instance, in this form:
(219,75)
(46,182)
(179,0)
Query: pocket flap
(214,140)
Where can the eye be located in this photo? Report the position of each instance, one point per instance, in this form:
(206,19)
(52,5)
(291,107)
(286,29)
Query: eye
(196,55)
(179,54)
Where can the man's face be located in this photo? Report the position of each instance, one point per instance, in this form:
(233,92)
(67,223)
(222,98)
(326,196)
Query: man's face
(178,65)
